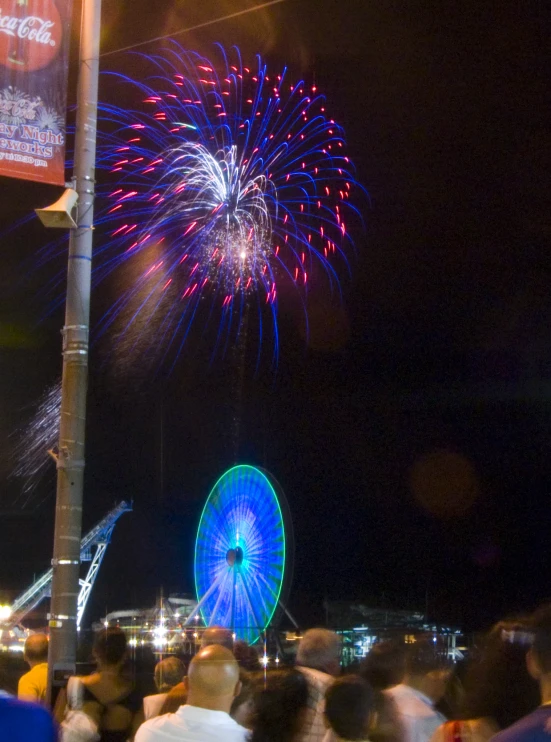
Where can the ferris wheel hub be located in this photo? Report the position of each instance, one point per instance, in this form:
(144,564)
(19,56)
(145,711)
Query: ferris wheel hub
(234,557)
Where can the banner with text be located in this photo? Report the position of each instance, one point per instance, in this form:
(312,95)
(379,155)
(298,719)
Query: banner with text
(34,62)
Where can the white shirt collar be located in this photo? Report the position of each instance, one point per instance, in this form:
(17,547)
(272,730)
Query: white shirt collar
(206,716)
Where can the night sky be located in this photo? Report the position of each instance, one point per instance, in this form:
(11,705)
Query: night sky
(411,429)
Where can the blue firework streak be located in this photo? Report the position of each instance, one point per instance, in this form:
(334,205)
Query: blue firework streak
(231,183)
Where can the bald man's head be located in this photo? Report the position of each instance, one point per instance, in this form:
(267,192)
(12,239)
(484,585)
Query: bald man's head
(213,679)
(217,635)
(36,649)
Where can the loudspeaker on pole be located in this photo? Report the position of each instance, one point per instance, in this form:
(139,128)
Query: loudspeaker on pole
(59,214)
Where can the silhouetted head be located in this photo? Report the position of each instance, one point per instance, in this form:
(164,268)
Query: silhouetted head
(498,684)
(385,664)
(348,707)
(242,708)
(110,646)
(320,650)
(427,667)
(213,679)
(36,649)
(246,656)
(217,635)
(281,703)
(168,673)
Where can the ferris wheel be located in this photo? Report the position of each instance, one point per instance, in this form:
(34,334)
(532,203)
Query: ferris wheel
(243,553)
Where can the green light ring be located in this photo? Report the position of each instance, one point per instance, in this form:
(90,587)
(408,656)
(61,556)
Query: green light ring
(265,477)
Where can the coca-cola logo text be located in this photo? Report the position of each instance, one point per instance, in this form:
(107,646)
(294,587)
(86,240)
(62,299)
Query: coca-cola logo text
(32,28)
(30,34)
(22,109)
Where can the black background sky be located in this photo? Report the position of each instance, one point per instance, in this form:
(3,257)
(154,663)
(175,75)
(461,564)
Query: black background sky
(441,344)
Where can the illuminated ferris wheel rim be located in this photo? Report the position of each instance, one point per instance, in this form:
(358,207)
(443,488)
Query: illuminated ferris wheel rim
(243,551)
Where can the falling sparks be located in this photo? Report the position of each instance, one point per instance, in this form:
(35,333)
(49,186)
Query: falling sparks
(34,441)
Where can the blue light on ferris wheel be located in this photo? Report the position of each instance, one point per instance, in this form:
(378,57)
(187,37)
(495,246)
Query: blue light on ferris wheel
(240,552)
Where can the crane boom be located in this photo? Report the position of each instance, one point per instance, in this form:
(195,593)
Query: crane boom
(99,536)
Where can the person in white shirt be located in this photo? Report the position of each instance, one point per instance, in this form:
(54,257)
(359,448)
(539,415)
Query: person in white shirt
(212,683)
(423,686)
(318,659)
(168,673)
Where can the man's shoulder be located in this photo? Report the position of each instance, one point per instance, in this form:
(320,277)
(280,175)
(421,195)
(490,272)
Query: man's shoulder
(173,727)
(410,703)
(38,672)
(26,707)
(158,726)
(532,728)
(153,704)
(27,683)
(318,678)
(401,694)
(25,676)
(25,716)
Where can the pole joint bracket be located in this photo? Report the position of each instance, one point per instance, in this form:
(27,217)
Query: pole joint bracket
(64,562)
(75,341)
(64,460)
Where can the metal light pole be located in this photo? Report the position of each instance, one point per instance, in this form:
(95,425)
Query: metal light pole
(70,461)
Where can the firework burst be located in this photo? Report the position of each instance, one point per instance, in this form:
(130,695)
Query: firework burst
(225,183)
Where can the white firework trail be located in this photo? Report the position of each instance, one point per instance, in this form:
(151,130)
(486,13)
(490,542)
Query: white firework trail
(231,208)
(34,440)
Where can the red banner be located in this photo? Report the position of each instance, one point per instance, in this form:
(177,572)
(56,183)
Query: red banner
(34,61)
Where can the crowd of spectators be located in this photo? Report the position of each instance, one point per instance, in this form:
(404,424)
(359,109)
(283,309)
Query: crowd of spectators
(398,693)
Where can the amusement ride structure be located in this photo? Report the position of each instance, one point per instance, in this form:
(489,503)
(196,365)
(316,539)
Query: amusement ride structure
(243,568)
(244,553)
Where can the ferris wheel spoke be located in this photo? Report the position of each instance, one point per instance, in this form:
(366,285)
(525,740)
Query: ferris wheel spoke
(259,624)
(227,620)
(257,542)
(220,597)
(204,599)
(265,581)
(255,548)
(232,607)
(267,611)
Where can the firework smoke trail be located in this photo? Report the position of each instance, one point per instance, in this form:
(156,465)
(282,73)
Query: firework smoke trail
(225,183)
(33,442)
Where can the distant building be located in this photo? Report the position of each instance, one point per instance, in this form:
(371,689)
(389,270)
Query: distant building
(161,627)
(362,626)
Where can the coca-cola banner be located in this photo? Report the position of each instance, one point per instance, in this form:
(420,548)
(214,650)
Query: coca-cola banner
(34,57)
